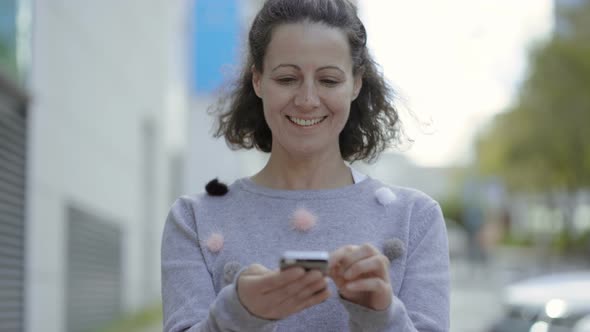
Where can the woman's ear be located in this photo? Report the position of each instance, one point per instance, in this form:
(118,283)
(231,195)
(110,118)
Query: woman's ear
(256,78)
(358,84)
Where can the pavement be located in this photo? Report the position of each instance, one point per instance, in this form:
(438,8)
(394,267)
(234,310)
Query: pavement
(154,328)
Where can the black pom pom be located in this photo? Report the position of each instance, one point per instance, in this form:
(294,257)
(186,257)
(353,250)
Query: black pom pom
(393,248)
(229,271)
(216,188)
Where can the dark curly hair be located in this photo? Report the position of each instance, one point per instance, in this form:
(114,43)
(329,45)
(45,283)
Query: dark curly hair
(373,123)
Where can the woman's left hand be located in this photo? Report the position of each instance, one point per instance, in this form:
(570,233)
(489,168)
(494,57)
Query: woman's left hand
(361,274)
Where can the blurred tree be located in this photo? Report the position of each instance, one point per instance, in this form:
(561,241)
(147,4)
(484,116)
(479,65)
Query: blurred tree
(543,142)
(8,65)
(8,31)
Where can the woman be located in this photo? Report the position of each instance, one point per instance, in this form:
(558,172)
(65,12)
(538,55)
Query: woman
(312,97)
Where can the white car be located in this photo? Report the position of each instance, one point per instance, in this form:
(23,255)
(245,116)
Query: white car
(551,303)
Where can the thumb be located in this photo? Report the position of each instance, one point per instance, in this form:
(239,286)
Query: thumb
(255,269)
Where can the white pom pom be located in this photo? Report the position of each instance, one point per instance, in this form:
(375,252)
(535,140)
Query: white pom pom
(385,196)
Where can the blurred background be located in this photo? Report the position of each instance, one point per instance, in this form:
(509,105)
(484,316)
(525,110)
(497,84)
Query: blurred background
(103,123)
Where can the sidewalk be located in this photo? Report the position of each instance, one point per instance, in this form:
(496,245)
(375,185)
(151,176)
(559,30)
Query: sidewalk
(154,328)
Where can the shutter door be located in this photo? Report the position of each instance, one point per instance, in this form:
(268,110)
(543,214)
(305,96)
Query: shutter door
(93,285)
(12,209)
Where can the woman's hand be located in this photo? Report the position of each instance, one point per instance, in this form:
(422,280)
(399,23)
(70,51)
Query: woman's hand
(361,274)
(278,294)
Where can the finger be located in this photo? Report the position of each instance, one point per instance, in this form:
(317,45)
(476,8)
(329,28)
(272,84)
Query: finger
(338,255)
(292,290)
(312,288)
(279,279)
(316,298)
(377,265)
(315,288)
(255,269)
(352,254)
(368,285)
(254,273)
(362,252)
(337,278)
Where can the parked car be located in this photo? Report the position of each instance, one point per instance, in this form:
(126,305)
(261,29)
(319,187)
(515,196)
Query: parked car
(551,303)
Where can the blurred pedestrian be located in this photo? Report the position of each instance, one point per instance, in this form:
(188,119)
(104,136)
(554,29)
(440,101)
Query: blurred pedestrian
(310,95)
(475,226)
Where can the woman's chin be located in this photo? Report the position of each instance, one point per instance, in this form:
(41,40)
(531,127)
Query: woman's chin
(307,151)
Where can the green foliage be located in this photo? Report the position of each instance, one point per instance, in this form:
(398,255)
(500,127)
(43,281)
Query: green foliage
(543,142)
(566,242)
(138,322)
(452,208)
(510,240)
(8,64)
(452,204)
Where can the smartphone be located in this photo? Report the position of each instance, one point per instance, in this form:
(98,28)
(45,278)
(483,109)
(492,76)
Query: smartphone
(309,260)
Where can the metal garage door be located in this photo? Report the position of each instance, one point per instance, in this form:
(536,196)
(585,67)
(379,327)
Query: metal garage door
(93,284)
(12,206)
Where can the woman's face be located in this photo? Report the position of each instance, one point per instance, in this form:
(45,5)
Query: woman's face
(306,87)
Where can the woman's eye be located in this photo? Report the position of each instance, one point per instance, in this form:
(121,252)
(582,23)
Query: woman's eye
(285,80)
(329,82)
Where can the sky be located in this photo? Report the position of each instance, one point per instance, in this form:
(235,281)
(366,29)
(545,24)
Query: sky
(454,64)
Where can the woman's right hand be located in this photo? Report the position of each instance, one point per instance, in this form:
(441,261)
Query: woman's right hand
(280,293)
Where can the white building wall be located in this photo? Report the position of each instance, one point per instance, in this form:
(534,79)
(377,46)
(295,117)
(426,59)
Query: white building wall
(100,70)
(208,157)
(397,170)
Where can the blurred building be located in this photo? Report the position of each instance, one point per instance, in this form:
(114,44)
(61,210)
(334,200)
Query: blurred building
(218,49)
(540,217)
(395,169)
(8,37)
(13,132)
(90,160)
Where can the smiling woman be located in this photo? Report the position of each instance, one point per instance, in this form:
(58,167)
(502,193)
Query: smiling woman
(312,97)
(373,123)
(306,86)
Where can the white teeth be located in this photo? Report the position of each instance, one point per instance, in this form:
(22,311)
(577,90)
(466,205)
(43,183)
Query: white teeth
(305,123)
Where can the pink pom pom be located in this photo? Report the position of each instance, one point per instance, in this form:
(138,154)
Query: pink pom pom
(385,196)
(215,242)
(303,220)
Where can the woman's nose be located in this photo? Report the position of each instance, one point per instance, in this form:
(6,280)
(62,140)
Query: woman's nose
(307,96)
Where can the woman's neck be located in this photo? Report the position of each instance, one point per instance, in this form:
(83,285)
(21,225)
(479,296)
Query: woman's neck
(288,173)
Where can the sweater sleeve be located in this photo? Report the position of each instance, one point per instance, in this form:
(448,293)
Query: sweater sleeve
(188,296)
(423,301)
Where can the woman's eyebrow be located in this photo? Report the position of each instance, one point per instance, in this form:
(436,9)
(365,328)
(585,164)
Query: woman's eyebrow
(285,65)
(298,68)
(331,67)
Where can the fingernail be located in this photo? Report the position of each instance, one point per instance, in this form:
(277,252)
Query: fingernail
(351,286)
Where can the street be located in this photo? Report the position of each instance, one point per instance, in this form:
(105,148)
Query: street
(475,297)
(476,288)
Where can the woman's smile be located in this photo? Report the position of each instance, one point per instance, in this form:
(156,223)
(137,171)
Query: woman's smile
(306,122)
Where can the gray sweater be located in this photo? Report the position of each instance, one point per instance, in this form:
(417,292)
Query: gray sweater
(198,275)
